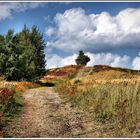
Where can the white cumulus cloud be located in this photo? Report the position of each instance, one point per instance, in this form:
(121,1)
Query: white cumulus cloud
(115,60)
(75,30)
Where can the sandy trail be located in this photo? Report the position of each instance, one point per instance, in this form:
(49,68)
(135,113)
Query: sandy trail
(45,115)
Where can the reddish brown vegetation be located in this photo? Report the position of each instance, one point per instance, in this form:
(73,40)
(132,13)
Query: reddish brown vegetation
(6,95)
(22,86)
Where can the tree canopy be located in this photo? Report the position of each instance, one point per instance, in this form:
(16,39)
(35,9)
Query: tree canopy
(22,54)
(82,59)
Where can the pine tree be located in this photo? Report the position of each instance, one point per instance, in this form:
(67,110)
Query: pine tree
(12,72)
(38,42)
(26,55)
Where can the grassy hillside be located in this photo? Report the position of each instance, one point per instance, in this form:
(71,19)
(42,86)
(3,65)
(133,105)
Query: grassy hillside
(105,94)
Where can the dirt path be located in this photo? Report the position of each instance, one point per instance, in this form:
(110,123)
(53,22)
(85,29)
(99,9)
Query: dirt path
(44,115)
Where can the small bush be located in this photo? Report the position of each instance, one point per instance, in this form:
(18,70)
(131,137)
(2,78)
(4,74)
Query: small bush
(77,81)
(11,104)
(15,105)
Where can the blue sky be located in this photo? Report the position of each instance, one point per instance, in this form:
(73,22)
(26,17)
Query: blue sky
(34,16)
(109,32)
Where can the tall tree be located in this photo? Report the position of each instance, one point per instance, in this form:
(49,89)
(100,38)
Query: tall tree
(12,71)
(39,43)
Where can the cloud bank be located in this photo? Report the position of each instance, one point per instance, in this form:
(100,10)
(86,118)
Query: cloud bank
(75,30)
(115,60)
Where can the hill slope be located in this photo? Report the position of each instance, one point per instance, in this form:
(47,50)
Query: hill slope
(97,73)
